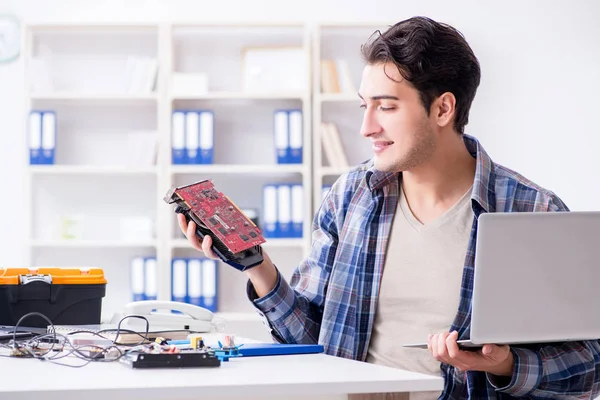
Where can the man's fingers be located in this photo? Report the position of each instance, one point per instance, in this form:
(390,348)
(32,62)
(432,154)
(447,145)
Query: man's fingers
(182,222)
(192,238)
(442,350)
(206,244)
(453,350)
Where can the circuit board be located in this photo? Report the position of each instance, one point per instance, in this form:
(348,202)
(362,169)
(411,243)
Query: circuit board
(183,359)
(236,239)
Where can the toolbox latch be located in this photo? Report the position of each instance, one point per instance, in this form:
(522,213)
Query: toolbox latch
(28,278)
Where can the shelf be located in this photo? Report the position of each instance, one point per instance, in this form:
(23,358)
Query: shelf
(238,317)
(341,97)
(270,243)
(73,243)
(241,96)
(330,171)
(90,170)
(239,169)
(93,97)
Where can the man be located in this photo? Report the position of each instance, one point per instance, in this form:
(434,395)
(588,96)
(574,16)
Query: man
(393,242)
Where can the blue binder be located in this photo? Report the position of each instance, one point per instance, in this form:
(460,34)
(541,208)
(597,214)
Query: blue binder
(269,219)
(179,280)
(137,278)
(178,137)
(34,126)
(210,284)
(192,137)
(48,137)
(207,134)
(281,136)
(284,211)
(194,281)
(276,349)
(296,134)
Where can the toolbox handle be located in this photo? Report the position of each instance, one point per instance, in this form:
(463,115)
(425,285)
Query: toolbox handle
(29,278)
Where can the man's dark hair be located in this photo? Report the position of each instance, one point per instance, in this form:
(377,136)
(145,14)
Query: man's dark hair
(434,57)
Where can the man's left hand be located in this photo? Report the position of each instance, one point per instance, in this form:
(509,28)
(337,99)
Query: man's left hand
(496,360)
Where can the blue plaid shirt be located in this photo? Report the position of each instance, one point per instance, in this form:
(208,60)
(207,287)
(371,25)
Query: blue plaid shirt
(332,296)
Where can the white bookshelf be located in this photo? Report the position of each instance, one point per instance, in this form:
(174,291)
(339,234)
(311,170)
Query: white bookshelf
(91,244)
(338,41)
(91,181)
(95,115)
(90,170)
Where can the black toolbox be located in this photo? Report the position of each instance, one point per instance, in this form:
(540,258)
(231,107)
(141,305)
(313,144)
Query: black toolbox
(67,296)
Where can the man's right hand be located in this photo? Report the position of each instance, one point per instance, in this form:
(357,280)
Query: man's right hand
(189,230)
(263,276)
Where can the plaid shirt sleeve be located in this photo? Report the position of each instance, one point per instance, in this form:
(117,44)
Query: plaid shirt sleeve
(569,370)
(294,311)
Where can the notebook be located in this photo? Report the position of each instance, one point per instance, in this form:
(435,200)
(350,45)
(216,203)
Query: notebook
(127,335)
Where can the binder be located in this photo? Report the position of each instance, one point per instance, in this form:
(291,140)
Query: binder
(48,137)
(275,349)
(192,137)
(35,137)
(207,134)
(284,211)
(178,138)
(209,284)
(296,136)
(194,281)
(297,210)
(137,278)
(269,226)
(281,136)
(179,280)
(150,284)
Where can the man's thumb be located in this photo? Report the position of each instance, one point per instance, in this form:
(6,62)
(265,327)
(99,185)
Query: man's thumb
(488,349)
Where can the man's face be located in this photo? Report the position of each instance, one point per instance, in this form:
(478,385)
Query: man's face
(394,120)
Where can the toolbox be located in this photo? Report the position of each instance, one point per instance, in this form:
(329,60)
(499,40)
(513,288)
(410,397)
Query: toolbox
(67,296)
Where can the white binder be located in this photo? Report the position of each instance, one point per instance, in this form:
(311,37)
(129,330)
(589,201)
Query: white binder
(295,131)
(179,280)
(284,211)
(137,278)
(192,137)
(35,137)
(281,136)
(269,225)
(178,137)
(207,134)
(194,281)
(209,284)
(297,210)
(48,137)
(150,283)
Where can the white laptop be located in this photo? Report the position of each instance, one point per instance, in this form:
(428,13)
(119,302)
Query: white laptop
(537,278)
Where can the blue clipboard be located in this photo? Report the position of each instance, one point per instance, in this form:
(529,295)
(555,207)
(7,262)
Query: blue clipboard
(276,349)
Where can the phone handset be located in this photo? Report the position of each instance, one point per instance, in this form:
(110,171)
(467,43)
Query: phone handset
(147,306)
(159,315)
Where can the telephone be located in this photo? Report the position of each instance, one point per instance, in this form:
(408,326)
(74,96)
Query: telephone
(159,315)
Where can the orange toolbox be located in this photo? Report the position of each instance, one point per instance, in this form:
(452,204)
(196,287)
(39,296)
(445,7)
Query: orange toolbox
(67,296)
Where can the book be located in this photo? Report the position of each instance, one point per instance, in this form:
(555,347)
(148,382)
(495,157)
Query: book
(127,335)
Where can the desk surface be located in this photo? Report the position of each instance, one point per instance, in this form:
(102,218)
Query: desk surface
(297,375)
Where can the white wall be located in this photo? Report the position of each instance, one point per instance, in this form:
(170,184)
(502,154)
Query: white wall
(535,110)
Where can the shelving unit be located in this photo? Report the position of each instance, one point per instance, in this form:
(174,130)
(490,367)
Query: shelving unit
(338,41)
(92,177)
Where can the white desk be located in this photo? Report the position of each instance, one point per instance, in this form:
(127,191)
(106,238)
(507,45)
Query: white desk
(298,376)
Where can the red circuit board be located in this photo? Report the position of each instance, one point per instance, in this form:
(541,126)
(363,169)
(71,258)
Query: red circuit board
(221,216)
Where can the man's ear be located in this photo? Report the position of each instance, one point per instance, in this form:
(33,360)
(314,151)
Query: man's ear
(444,109)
